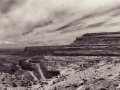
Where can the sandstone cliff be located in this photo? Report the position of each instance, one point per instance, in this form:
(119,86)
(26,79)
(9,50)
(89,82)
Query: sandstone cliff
(90,44)
(110,38)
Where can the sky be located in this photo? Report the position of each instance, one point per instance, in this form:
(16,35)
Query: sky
(55,22)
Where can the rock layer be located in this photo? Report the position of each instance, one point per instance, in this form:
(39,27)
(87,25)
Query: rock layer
(111,38)
(90,44)
(41,50)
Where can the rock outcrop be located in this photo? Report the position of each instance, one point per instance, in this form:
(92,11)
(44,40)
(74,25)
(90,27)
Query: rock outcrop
(110,38)
(37,69)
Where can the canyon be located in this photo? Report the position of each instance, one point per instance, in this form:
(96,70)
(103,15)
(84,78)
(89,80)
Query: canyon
(90,62)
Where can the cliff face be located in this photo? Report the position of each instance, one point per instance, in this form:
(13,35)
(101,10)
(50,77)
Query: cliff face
(41,50)
(90,44)
(94,44)
(111,38)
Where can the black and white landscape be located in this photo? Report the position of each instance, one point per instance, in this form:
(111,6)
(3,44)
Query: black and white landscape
(59,45)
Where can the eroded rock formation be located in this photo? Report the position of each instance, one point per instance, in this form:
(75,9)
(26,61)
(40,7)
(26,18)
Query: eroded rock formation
(94,44)
(37,69)
(110,38)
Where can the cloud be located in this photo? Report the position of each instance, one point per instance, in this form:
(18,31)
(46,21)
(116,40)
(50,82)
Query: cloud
(53,22)
(5,5)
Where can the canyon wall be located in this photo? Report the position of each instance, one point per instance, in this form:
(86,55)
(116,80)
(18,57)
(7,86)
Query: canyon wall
(110,38)
(41,50)
(90,44)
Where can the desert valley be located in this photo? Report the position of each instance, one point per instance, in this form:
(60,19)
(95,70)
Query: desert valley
(91,62)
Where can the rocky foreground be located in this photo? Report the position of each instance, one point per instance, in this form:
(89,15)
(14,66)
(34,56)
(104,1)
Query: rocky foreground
(88,73)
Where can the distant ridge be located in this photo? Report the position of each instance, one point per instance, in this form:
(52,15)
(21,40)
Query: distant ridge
(89,44)
(41,50)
